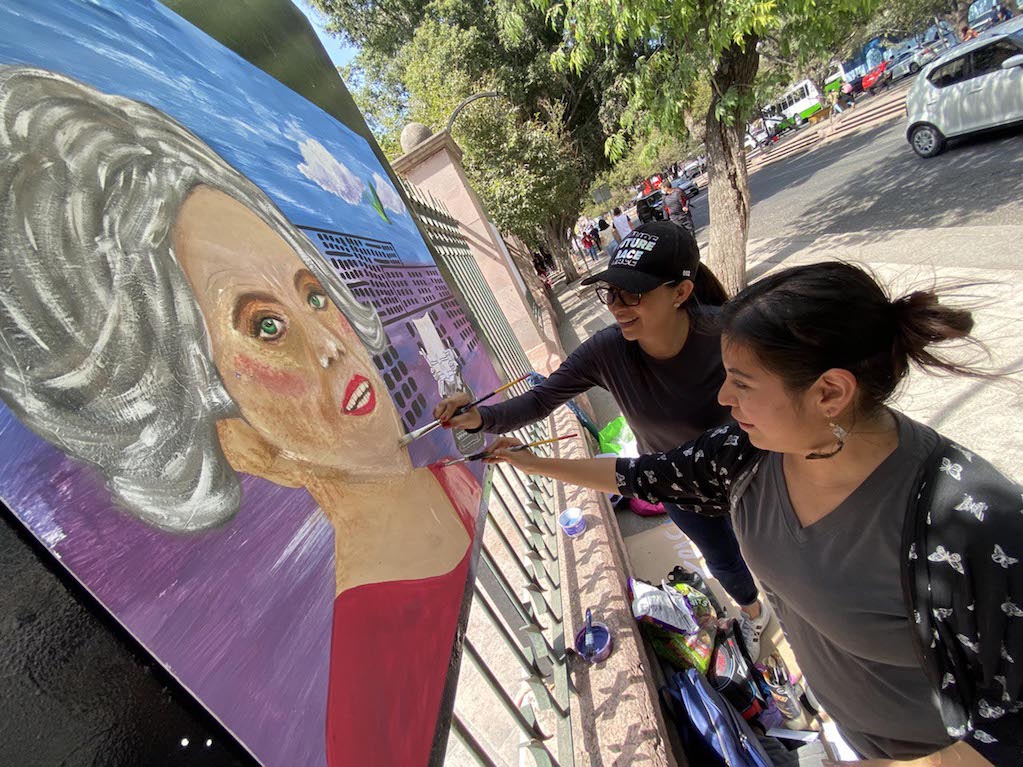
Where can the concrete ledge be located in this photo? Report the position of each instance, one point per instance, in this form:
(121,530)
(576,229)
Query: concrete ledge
(616,714)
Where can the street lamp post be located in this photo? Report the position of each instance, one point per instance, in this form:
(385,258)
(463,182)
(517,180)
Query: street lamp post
(466,102)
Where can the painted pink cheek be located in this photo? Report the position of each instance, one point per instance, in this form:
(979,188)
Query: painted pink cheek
(273,378)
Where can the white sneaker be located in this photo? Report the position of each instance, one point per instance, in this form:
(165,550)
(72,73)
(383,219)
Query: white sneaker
(752,629)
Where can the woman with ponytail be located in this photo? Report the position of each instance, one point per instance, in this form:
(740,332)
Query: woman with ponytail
(661,362)
(893,556)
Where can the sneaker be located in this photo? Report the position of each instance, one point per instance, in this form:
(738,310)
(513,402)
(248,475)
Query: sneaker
(752,629)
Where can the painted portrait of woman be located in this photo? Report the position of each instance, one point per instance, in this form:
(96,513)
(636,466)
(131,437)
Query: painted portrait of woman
(163,323)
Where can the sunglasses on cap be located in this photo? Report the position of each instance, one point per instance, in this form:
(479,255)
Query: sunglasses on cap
(608,294)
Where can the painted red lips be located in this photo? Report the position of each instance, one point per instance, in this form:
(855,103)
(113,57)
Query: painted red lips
(359,398)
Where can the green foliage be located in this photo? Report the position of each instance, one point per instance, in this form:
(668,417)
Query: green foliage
(678,44)
(532,152)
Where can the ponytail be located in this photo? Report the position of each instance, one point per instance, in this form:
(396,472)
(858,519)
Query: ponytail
(805,320)
(707,289)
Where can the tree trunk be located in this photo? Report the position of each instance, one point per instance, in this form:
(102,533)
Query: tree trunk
(960,11)
(728,188)
(559,246)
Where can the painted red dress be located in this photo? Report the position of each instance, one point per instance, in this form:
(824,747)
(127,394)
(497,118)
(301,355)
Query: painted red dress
(389,654)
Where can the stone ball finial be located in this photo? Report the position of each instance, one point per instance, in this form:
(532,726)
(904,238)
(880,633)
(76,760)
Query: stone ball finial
(412,135)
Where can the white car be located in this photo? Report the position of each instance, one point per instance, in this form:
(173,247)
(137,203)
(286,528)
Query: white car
(973,87)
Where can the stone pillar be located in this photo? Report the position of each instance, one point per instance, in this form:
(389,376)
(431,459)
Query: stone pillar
(433,163)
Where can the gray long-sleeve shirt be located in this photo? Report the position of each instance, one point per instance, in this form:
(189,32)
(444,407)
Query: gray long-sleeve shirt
(666,402)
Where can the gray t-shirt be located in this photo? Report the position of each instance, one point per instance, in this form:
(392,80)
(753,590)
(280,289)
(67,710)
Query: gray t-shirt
(854,647)
(666,402)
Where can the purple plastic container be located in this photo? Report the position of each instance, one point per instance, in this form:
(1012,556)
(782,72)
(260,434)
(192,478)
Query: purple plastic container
(601,643)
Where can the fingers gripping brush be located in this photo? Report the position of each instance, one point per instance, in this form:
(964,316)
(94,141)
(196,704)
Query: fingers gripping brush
(422,431)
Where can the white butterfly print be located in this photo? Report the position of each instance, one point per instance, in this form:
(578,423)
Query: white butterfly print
(1006,656)
(714,466)
(1011,609)
(677,472)
(662,457)
(967,642)
(990,712)
(632,463)
(983,737)
(963,451)
(942,613)
(723,471)
(947,680)
(687,452)
(714,482)
(651,498)
(676,488)
(972,606)
(953,470)
(699,455)
(733,439)
(912,552)
(620,479)
(1002,558)
(954,560)
(651,478)
(719,431)
(977,509)
(956,732)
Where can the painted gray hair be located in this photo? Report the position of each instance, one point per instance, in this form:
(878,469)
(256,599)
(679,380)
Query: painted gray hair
(103,349)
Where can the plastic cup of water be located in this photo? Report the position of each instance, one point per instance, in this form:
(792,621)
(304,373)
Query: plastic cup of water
(572,522)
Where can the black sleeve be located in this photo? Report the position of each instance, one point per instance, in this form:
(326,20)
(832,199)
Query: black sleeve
(703,469)
(578,373)
(974,558)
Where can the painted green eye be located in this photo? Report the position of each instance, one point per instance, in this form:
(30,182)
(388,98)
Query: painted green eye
(271,328)
(318,301)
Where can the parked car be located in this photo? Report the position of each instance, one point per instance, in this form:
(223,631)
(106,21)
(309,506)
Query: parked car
(687,185)
(874,78)
(695,167)
(973,87)
(909,63)
(650,207)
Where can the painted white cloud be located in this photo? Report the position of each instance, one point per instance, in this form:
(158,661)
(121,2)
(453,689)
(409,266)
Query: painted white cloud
(389,197)
(324,170)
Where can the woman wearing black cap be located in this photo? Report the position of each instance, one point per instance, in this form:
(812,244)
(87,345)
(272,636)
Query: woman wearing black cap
(661,362)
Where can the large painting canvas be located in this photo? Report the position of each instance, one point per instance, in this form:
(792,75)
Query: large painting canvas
(217,321)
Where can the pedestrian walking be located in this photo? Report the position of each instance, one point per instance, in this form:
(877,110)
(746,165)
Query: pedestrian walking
(893,556)
(676,208)
(661,362)
(622,224)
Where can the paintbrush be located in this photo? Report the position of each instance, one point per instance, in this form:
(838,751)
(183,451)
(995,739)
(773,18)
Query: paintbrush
(422,431)
(515,449)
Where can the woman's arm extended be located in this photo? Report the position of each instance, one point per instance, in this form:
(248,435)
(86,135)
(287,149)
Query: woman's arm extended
(595,473)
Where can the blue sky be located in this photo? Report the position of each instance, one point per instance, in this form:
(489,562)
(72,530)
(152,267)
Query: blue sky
(339,53)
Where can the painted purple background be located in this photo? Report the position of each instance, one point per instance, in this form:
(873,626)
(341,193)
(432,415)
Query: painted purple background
(241,615)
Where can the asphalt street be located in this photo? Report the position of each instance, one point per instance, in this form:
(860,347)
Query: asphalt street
(874,182)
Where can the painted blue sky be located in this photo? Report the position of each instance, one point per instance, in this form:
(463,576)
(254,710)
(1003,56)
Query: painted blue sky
(339,53)
(313,167)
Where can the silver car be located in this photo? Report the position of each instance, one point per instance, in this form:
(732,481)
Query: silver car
(910,62)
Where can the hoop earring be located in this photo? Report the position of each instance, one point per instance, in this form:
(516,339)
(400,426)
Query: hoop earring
(840,435)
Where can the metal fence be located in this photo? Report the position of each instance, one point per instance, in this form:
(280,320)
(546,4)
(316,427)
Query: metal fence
(514,663)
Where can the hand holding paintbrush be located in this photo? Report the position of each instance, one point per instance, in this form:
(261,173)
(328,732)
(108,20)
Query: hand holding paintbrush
(449,408)
(507,444)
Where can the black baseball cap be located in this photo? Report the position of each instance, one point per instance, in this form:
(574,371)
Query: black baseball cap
(650,256)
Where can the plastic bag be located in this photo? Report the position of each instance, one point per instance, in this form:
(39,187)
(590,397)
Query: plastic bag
(679,621)
(617,438)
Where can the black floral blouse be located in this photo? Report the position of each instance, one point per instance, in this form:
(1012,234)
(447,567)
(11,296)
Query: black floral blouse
(962,572)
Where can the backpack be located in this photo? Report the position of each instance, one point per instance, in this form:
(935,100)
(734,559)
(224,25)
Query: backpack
(712,731)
